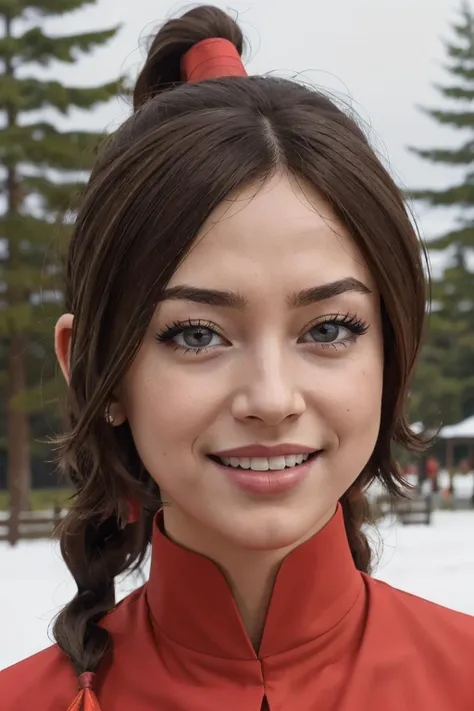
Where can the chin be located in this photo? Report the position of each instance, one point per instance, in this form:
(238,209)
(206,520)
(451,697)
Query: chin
(272,530)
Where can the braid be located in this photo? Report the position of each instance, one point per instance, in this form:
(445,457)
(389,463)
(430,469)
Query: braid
(95,552)
(96,541)
(356,510)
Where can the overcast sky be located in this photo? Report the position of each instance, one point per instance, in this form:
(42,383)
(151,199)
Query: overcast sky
(382,56)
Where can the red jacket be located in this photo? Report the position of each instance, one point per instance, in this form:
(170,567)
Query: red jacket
(334,640)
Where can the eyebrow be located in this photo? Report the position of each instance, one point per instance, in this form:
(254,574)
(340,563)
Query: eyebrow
(234,300)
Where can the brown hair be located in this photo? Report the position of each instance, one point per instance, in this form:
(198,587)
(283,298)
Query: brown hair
(157,179)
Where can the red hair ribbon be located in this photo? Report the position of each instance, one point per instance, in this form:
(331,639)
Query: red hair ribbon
(211,59)
(134,510)
(86,700)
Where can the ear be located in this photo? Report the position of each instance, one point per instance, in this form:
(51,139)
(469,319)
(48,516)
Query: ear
(62,345)
(62,342)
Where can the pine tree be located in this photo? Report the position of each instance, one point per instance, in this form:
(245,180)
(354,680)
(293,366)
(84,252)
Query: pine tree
(444,384)
(42,169)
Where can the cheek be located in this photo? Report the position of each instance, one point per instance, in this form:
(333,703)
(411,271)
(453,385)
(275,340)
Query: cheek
(166,407)
(361,417)
(353,418)
(354,401)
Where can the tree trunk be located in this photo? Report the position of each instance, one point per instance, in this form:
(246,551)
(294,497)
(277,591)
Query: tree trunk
(18,433)
(18,430)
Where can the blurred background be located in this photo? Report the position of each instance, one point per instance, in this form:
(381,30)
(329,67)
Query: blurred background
(406,68)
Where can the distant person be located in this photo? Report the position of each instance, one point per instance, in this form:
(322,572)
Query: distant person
(452,490)
(465,468)
(432,473)
(246,301)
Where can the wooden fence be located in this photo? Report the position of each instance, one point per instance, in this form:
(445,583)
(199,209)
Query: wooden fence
(29,525)
(417,509)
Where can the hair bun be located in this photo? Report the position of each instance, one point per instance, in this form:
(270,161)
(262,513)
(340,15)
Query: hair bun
(162,68)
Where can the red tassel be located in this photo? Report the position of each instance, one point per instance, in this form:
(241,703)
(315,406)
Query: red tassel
(86,700)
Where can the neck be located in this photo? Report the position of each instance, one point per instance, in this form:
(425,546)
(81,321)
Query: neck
(251,574)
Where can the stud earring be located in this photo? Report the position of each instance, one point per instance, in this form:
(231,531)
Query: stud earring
(108,417)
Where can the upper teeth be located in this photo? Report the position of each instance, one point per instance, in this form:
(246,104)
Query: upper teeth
(263,464)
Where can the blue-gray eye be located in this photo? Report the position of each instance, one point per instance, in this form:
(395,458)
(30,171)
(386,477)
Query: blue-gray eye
(327,332)
(196,337)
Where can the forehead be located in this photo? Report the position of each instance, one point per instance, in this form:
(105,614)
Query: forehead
(279,232)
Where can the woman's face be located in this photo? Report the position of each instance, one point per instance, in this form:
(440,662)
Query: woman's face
(287,354)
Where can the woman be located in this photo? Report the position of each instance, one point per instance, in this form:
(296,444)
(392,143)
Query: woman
(246,299)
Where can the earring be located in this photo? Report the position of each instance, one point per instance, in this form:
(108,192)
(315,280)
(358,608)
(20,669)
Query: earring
(108,417)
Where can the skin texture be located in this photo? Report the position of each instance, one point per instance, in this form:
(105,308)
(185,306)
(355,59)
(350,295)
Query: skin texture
(267,377)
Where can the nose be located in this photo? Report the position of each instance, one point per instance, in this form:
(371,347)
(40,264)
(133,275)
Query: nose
(269,392)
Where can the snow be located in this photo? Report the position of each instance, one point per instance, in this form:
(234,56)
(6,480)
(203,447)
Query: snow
(435,562)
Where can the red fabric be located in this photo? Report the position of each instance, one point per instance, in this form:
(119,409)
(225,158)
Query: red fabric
(211,59)
(334,640)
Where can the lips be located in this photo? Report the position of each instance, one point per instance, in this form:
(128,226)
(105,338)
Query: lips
(259,476)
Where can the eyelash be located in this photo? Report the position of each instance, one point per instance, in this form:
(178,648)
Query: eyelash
(357,326)
(353,323)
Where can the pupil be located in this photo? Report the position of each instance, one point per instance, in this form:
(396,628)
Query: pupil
(196,337)
(327,332)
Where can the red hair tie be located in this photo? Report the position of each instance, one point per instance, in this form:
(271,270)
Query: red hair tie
(134,510)
(211,58)
(86,700)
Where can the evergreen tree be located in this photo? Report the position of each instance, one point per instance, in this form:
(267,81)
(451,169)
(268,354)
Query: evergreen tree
(443,389)
(42,169)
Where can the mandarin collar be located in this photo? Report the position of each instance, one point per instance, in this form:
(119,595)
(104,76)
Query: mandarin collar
(191,601)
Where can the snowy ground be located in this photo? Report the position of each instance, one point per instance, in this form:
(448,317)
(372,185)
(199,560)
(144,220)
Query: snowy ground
(436,562)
